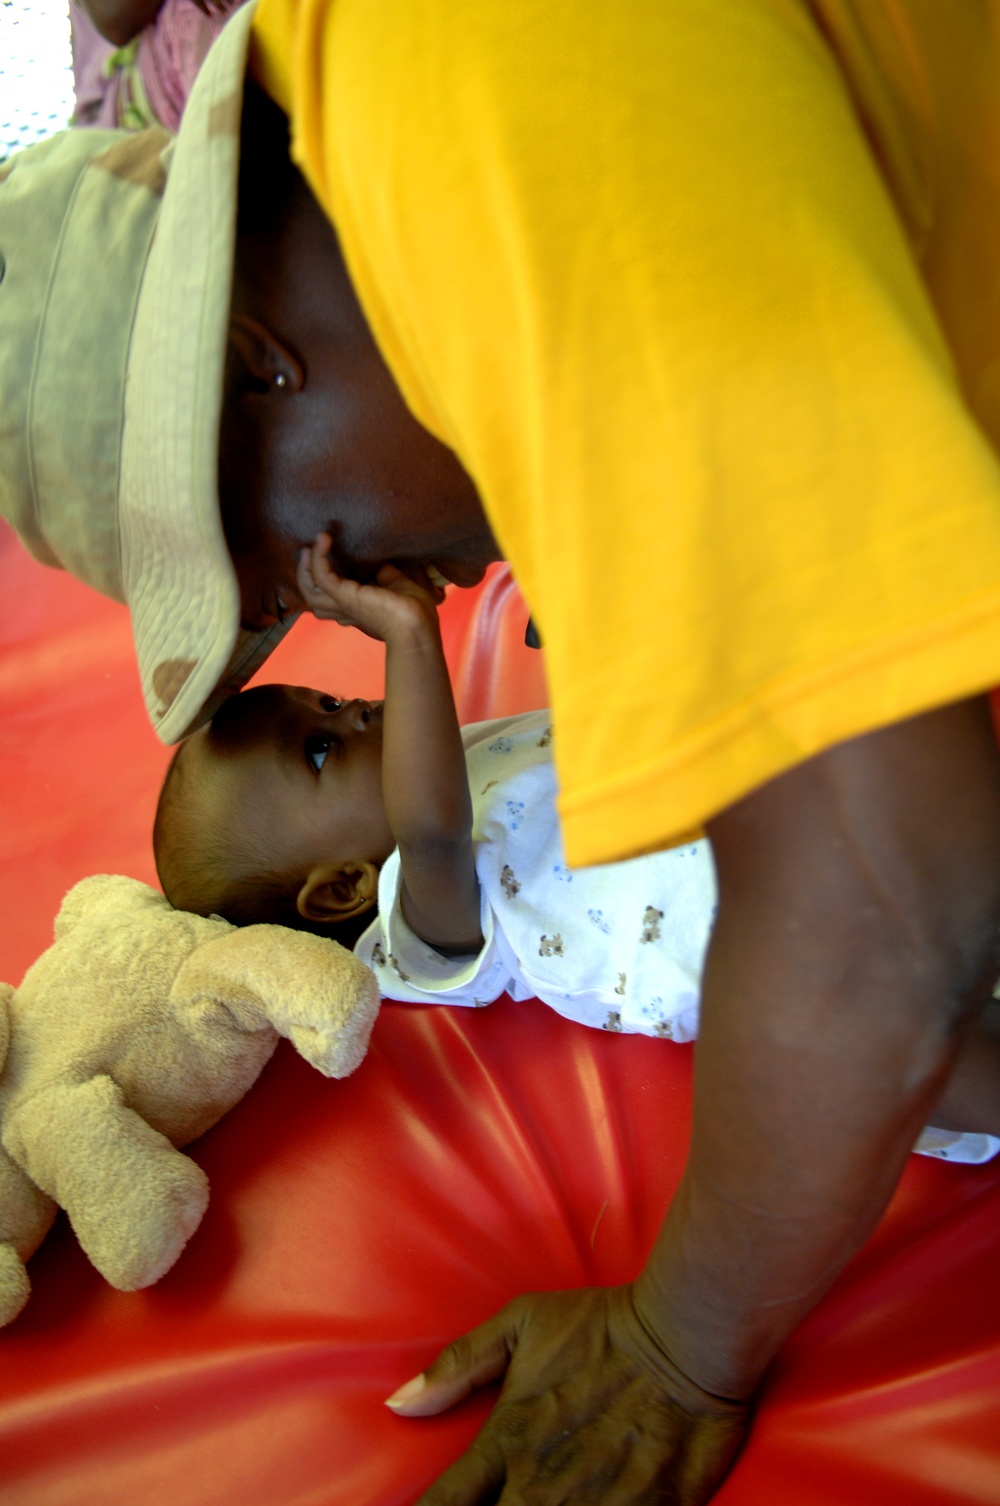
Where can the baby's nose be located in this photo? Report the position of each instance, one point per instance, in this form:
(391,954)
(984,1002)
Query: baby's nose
(356,713)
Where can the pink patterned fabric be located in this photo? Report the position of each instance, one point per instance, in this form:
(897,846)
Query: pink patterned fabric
(172,50)
(148,81)
(96,93)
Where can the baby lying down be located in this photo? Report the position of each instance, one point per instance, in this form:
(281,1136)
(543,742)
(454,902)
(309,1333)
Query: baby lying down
(435,851)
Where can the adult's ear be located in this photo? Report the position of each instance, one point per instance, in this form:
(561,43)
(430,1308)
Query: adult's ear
(333,893)
(264,362)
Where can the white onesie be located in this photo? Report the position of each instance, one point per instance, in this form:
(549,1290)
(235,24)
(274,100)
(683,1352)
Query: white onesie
(620,947)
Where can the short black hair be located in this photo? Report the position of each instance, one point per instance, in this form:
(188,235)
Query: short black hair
(218,872)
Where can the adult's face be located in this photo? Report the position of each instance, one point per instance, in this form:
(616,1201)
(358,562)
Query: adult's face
(316,437)
(344,456)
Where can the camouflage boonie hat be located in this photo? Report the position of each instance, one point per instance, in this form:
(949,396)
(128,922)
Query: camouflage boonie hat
(116,265)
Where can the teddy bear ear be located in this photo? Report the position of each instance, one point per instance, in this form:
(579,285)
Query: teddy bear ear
(102,893)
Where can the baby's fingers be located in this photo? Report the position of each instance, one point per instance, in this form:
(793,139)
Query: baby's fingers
(321,570)
(305,579)
(322,574)
(321,599)
(411,579)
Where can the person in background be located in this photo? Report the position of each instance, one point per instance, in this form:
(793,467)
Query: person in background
(134,61)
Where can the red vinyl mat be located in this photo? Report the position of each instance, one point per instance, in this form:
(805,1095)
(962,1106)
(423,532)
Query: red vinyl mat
(355,1227)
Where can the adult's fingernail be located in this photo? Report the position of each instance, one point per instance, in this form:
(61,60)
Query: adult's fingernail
(406,1393)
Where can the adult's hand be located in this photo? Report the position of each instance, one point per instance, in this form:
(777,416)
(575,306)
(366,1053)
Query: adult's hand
(591,1411)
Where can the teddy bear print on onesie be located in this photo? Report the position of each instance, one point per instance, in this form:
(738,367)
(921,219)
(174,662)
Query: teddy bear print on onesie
(618,947)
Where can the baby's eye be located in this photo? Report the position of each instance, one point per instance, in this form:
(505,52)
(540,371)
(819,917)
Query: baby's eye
(316,750)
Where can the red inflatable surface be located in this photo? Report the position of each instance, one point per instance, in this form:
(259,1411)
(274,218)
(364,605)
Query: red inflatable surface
(355,1227)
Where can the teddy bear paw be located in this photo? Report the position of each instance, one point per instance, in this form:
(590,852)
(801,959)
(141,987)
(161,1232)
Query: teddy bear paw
(15,1288)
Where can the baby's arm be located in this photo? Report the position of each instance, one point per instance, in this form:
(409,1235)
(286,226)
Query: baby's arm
(425,784)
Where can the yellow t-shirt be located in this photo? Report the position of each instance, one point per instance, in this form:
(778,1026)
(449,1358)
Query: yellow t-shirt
(673,281)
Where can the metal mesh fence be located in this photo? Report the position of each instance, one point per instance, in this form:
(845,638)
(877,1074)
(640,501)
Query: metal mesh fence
(36,79)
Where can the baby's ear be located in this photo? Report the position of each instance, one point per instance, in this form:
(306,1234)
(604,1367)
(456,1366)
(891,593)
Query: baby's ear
(334,893)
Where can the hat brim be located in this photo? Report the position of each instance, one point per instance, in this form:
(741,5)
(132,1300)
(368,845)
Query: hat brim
(179,579)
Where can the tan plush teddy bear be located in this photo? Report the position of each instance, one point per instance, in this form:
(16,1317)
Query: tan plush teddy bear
(133,1034)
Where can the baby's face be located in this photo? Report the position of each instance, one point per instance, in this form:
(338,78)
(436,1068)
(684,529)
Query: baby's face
(302,772)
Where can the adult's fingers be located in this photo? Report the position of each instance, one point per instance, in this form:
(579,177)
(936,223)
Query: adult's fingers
(588,1412)
(473,1360)
(478,1476)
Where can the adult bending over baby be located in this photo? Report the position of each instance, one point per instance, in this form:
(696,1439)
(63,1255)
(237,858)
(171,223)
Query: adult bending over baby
(435,851)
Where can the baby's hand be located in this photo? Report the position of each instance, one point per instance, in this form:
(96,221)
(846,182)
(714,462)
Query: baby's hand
(398,601)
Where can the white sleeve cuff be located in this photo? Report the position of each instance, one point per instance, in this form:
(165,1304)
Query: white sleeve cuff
(409,969)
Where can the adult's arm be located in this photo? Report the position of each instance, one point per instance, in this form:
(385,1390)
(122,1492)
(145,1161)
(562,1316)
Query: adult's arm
(857,937)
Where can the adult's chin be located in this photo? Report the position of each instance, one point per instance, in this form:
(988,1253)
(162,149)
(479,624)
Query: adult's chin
(455,574)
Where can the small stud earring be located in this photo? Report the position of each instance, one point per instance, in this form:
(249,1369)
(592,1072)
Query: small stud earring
(281,380)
